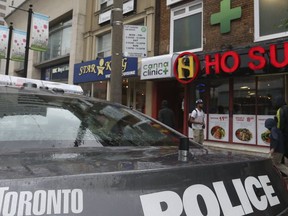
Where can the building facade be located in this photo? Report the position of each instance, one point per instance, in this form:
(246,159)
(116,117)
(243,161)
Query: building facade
(66,27)
(242,54)
(138,16)
(243,61)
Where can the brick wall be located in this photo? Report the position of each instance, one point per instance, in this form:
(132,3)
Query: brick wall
(241,34)
(242,30)
(163,28)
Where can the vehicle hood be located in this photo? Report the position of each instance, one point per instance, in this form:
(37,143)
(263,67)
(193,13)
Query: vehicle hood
(145,181)
(75,161)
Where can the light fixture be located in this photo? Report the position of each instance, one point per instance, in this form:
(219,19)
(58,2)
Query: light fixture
(244,87)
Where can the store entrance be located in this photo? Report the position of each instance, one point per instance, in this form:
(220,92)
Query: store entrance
(173,92)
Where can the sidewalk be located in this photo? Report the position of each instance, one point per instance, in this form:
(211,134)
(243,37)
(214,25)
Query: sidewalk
(248,149)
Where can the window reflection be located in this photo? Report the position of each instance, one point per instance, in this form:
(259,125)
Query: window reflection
(244,101)
(219,97)
(268,89)
(59,41)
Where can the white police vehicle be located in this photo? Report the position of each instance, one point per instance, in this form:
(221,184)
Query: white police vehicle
(62,153)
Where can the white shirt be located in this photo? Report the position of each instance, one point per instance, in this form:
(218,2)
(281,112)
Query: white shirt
(198,116)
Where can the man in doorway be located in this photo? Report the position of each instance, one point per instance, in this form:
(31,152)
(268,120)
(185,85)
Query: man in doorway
(198,124)
(166,115)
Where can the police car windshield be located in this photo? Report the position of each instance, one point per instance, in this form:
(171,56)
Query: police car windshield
(45,120)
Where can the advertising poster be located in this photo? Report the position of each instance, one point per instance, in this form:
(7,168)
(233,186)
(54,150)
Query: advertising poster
(244,129)
(4,32)
(18,46)
(39,32)
(262,132)
(218,127)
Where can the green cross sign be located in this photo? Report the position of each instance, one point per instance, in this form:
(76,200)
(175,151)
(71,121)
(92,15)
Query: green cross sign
(225,16)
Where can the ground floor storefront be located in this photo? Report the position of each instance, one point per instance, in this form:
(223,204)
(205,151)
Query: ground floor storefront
(238,88)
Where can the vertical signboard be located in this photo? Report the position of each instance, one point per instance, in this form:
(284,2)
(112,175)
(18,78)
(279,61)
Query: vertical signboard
(18,45)
(135,41)
(4,32)
(39,32)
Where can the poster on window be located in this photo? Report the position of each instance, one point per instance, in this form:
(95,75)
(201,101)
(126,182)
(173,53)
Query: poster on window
(18,45)
(4,33)
(218,127)
(244,129)
(263,133)
(39,32)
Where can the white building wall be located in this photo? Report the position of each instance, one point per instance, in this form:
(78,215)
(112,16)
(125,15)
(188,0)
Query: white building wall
(55,9)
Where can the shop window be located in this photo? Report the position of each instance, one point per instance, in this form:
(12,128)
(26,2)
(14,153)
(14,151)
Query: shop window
(269,87)
(104,45)
(267,28)
(100,90)
(186,28)
(219,97)
(59,41)
(244,100)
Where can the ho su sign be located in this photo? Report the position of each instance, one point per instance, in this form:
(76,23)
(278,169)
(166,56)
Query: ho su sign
(187,65)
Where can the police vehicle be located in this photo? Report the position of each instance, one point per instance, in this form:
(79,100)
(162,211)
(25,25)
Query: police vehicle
(62,153)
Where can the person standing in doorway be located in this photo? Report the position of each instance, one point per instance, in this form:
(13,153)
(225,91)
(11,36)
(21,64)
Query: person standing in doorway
(197,118)
(166,115)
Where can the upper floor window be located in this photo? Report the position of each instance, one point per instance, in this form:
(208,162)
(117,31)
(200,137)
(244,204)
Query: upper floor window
(270,17)
(186,28)
(59,41)
(105,3)
(104,45)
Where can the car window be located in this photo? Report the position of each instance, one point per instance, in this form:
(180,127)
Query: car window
(32,120)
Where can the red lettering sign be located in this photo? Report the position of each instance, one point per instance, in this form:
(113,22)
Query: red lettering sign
(215,64)
(260,58)
(236,61)
(218,62)
(273,56)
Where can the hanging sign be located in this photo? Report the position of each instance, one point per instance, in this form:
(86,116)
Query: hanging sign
(39,32)
(18,45)
(4,32)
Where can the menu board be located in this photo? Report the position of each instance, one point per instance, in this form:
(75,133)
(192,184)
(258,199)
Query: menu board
(218,127)
(262,132)
(244,129)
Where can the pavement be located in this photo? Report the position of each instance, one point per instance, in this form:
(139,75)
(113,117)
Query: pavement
(247,149)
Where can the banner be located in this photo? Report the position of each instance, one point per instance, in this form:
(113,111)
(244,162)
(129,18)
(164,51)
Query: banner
(18,45)
(39,32)
(4,34)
